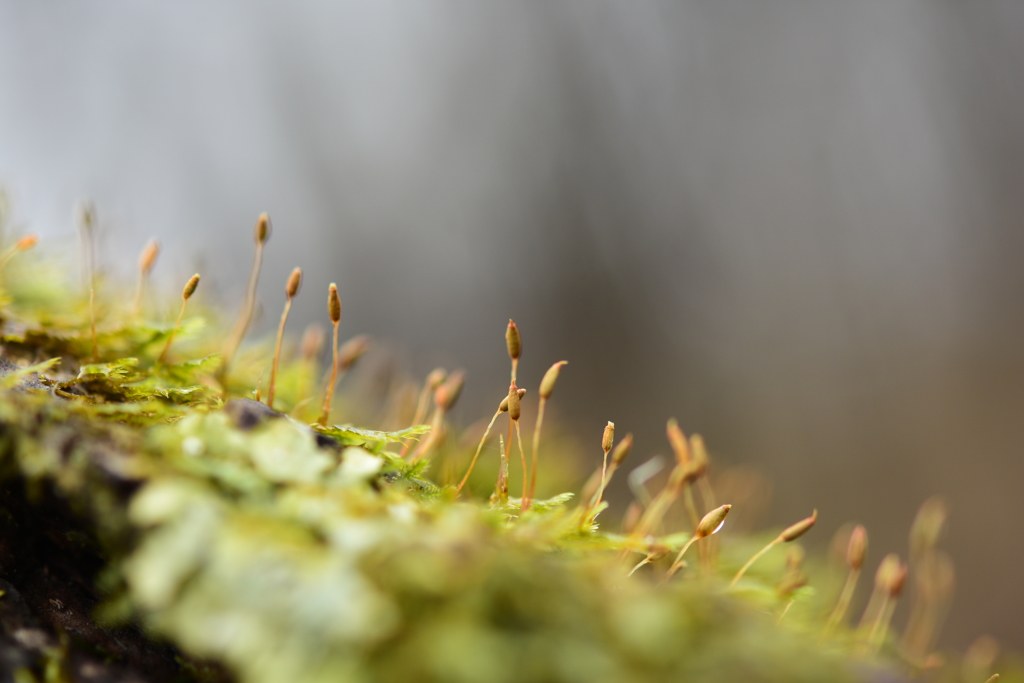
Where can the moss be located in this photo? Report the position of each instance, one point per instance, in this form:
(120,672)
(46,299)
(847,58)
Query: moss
(195,534)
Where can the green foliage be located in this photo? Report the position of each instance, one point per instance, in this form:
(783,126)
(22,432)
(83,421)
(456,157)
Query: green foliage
(371,439)
(285,556)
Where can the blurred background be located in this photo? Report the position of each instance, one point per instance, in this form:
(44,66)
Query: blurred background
(796,227)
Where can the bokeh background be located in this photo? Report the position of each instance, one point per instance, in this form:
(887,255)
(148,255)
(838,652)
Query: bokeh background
(798,227)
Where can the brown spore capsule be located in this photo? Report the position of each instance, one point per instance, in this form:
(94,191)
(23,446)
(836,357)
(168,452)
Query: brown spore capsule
(677,439)
(436,377)
(513,341)
(293,284)
(698,466)
(87,215)
(888,571)
(692,471)
(608,437)
(352,350)
(713,521)
(622,450)
(503,406)
(514,406)
(454,383)
(547,385)
(927,526)
(334,303)
(857,549)
(190,287)
(312,342)
(699,451)
(893,580)
(448,393)
(148,256)
(797,530)
(262,231)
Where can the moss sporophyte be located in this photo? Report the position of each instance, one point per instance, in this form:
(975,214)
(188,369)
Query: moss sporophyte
(189,532)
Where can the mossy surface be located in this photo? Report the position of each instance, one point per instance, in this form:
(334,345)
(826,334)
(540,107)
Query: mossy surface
(186,532)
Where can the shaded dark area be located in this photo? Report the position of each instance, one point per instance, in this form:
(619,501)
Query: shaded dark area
(49,566)
(55,577)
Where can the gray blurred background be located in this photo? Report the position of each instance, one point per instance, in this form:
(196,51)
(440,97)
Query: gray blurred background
(795,226)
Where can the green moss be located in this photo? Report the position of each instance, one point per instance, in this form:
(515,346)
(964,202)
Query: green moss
(286,551)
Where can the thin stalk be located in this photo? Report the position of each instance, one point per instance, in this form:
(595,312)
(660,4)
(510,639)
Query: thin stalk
(691,510)
(256,395)
(790,533)
(586,518)
(917,628)
(707,496)
(844,602)
(631,516)
(277,353)
(24,244)
(435,430)
(752,560)
(92,324)
(430,385)
(174,330)
(678,562)
(607,441)
(606,474)
(508,442)
(325,413)
(536,446)
(86,222)
(709,525)
(931,593)
(146,260)
(299,406)
(326,381)
(652,515)
(589,488)
(309,352)
(261,235)
(881,626)
(872,611)
(186,294)
(524,504)
(785,611)
(290,290)
(547,387)
(7,255)
(646,560)
(501,489)
(596,500)
(421,412)
(140,289)
(656,510)
(691,506)
(476,455)
(248,306)
(444,398)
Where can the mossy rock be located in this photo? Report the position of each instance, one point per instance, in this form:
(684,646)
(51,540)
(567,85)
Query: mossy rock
(157,524)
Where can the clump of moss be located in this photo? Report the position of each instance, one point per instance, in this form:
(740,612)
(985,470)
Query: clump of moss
(164,525)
